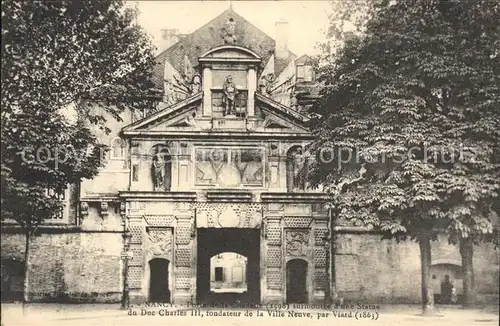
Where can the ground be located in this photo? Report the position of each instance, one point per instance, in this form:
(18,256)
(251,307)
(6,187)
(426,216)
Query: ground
(110,314)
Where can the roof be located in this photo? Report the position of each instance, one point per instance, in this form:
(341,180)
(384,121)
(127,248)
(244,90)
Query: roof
(209,36)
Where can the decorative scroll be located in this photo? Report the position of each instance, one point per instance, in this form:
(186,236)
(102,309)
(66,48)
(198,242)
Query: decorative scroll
(297,243)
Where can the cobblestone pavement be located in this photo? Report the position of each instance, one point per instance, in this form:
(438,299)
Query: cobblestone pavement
(110,314)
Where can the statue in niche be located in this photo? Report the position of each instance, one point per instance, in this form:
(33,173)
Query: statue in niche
(161,170)
(228,99)
(229,32)
(158,172)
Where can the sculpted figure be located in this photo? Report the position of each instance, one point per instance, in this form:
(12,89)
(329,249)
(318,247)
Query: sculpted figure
(230,92)
(196,84)
(158,172)
(229,32)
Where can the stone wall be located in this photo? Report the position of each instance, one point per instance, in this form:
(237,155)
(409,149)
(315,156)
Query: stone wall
(382,271)
(84,266)
(71,267)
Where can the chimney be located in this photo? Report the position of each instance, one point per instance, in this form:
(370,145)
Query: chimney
(281,51)
(168,38)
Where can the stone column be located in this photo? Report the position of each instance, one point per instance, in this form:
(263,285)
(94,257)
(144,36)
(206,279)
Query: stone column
(207,93)
(252,86)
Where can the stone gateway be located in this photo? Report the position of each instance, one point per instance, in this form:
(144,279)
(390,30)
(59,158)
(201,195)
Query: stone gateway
(205,200)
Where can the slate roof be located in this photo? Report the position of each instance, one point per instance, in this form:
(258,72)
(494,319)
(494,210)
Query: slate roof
(208,36)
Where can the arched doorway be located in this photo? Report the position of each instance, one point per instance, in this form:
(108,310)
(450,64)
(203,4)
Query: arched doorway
(296,281)
(158,280)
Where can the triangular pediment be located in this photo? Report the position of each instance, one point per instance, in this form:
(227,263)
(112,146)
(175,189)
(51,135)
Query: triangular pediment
(183,123)
(178,116)
(279,117)
(274,125)
(185,118)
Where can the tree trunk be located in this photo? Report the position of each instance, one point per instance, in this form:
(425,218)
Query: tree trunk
(466,251)
(26,268)
(428,308)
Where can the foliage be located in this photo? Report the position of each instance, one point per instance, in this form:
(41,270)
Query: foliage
(89,55)
(413,105)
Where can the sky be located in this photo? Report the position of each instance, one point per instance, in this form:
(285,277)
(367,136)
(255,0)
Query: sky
(307,19)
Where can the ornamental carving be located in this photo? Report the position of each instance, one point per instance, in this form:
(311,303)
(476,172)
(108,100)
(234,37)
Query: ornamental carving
(297,243)
(228,32)
(160,242)
(104,209)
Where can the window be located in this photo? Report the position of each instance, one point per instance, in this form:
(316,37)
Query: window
(117,149)
(300,72)
(62,196)
(305,73)
(228,273)
(219,274)
(309,73)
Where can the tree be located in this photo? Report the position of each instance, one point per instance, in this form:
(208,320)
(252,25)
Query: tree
(409,134)
(58,54)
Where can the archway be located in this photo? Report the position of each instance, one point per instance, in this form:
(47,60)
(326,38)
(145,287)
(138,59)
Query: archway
(296,281)
(244,243)
(158,281)
(228,273)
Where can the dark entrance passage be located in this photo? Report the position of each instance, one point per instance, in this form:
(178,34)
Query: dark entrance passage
(158,284)
(212,242)
(296,281)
